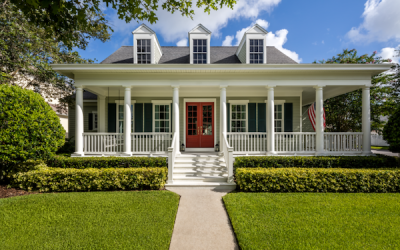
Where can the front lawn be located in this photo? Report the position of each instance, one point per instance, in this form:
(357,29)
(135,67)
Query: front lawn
(90,220)
(315,220)
(379,147)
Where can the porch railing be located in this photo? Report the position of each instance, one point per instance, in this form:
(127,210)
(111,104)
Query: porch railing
(249,142)
(294,142)
(172,149)
(343,142)
(151,142)
(228,157)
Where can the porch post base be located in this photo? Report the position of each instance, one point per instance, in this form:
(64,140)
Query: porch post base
(126,154)
(320,154)
(271,153)
(368,153)
(77,154)
(170,182)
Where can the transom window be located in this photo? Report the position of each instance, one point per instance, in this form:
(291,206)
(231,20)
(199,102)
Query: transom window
(278,118)
(238,118)
(199,51)
(143,51)
(256,51)
(161,118)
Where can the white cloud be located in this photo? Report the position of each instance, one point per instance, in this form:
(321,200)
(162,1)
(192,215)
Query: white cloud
(174,27)
(390,53)
(240,33)
(381,22)
(182,42)
(278,40)
(228,41)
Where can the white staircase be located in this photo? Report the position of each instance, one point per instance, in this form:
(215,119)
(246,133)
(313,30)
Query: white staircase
(200,170)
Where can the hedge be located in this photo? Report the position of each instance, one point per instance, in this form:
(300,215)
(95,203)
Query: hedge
(318,180)
(90,179)
(365,162)
(107,162)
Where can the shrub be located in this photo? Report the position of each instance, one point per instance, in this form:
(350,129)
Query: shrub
(68,148)
(318,180)
(107,162)
(29,128)
(380,161)
(391,131)
(90,179)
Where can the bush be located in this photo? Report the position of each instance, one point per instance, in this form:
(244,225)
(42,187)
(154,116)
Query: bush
(379,161)
(107,162)
(68,148)
(391,131)
(90,179)
(29,128)
(318,180)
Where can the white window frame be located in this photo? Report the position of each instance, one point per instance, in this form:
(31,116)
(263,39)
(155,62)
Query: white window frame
(199,36)
(144,53)
(200,53)
(95,120)
(239,102)
(122,102)
(161,102)
(258,37)
(258,53)
(279,102)
(152,46)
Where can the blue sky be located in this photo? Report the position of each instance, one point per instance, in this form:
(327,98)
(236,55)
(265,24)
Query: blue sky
(304,30)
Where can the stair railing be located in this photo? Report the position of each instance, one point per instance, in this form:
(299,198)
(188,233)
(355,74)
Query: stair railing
(228,156)
(171,157)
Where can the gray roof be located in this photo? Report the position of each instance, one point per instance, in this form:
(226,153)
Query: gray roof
(180,55)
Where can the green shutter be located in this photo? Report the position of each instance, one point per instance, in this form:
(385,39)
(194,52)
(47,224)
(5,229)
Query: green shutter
(148,117)
(90,121)
(288,117)
(228,116)
(252,117)
(262,121)
(112,117)
(138,117)
(171,117)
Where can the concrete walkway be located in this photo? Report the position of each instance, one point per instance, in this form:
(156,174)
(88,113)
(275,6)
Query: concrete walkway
(384,152)
(202,221)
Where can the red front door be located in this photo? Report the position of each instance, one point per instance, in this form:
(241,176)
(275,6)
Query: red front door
(200,124)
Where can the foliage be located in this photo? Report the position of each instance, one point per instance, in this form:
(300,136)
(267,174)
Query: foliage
(68,147)
(391,131)
(318,180)
(107,162)
(89,220)
(344,112)
(370,162)
(314,221)
(69,16)
(29,128)
(27,50)
(90,179)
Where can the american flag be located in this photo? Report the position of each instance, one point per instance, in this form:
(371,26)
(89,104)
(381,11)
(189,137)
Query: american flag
(312,115)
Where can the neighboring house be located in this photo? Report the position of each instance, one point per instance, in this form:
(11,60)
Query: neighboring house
(63,115)
(248,99)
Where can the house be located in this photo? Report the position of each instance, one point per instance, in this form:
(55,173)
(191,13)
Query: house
(63,115)
(248,99)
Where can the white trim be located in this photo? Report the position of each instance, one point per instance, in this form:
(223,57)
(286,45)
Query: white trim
(185,100)
(122,102)
(301,112)
(161,101)
(283,117)
(277,101)
(239,101)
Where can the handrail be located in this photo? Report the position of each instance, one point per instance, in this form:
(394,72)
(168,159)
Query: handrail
(171,158)
(228,156)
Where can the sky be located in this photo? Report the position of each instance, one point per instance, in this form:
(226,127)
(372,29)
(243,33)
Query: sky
(304,30)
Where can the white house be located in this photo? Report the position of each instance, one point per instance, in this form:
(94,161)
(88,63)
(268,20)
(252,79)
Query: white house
(248,99)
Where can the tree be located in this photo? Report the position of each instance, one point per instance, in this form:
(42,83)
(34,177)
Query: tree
(65,17)
(391,131)
(344,112)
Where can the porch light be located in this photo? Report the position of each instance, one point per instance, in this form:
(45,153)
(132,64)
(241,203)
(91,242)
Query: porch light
(216,147)
(183,147)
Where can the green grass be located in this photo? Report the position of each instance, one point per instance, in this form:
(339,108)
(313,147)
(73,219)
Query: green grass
(90,220)
(315,221)
(379,148)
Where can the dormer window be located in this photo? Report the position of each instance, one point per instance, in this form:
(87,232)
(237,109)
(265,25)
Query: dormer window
(256,51)
(199,51)
(143,51)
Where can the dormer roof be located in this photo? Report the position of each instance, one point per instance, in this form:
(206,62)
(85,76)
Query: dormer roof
(143,28)
(256,29)
(200,29)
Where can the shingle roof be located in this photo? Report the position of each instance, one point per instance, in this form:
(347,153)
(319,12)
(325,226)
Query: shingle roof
(180,55)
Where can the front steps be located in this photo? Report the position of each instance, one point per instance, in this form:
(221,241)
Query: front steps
(200,170)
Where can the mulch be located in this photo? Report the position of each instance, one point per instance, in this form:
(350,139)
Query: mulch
(10,192)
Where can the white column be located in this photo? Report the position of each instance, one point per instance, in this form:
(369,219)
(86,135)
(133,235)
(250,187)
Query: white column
(223,114)
(101,114)
(127,122)
(176,116)
(366,121)
(79,122)
(270,122)
(319,120)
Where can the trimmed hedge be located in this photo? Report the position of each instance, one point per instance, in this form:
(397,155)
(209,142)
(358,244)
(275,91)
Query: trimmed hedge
(90,179)
(318,180)
(107,162)
(379,161)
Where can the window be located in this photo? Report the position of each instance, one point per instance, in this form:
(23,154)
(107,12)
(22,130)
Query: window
(161,117)
(278,118)
(143,51)
(94,121)
(199,51)
(238,118)
(120,118)
(256,51)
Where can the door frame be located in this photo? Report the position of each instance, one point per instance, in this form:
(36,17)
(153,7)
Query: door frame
(214,100)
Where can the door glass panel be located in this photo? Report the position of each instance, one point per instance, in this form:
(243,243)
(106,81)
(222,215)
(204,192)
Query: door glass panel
(192,121)
(207,120)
